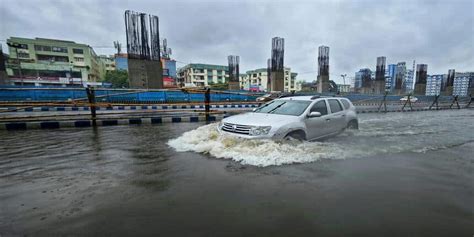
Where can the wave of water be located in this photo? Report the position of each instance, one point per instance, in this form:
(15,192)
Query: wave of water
(378,135)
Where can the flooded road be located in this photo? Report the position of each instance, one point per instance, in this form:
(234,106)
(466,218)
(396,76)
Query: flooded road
(401,174)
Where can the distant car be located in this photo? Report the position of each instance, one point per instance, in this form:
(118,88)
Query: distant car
(412,99)
(297,117)
(269,97)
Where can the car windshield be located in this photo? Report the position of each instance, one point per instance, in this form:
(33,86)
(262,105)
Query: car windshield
(285,107)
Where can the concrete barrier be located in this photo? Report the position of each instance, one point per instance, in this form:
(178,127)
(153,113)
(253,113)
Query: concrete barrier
(129,107)
(106,122)
(84,123)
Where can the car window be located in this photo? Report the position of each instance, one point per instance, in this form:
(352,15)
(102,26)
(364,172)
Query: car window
(346,104)
(321,107)
(284,107)
(334,105)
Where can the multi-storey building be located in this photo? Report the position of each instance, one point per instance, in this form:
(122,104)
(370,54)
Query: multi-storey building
(254,80)
(463,83)
(42,61)
(400,77)
(169,72)
(344,88)
(433,84)
(409,83)
(257,80)
(203,74)
(390,77)
(109,62)
(121,61)
(169,67)
(363,78)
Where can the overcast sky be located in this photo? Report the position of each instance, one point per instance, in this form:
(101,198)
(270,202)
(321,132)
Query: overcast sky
(438,33)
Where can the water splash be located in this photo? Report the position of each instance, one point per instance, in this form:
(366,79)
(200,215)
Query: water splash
(378,135)
(207,140)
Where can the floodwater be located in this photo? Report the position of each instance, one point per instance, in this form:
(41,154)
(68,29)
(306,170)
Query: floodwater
(401,174)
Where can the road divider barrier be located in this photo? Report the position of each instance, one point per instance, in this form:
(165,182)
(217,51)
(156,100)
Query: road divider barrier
(84,123)
(128,107)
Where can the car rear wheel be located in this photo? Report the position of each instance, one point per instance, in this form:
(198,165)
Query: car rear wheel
(353,124)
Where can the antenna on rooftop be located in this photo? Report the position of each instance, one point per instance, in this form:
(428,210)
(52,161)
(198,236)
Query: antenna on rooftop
(118,46)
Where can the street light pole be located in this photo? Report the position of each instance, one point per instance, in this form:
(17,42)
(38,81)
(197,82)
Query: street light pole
(344,78)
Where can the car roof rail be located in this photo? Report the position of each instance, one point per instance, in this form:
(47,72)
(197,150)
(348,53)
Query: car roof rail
(288,95)
(315,97)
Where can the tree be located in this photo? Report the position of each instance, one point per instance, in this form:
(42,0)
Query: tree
(218,86)
(118,78)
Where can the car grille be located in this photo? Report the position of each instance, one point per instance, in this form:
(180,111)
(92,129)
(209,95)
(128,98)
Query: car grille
(236,128)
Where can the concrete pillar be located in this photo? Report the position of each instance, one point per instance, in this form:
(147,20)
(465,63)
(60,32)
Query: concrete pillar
(323,84)
(420,89)
(448,91)
(379,87)
(234,85)
(145,74)
(278,81)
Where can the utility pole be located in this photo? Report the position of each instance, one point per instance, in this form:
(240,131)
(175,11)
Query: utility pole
(91,98)
(207,100)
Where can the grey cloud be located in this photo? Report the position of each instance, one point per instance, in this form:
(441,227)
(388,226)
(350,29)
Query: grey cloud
(439,33)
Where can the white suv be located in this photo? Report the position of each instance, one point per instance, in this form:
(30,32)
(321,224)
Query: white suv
(298,117)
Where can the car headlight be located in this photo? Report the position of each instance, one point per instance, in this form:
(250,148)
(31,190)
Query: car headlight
(259,130)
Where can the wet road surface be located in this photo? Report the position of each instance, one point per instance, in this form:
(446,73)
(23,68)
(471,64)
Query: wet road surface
(401,174)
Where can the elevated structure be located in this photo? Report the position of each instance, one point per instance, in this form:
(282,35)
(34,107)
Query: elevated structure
(277,66)
(448,89)
(144,65)
(323,69)
(421,76)
(379,83)
(3,69)
(234,62)
(400,75)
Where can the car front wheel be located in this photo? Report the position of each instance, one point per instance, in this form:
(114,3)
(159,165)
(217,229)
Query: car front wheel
(296,135)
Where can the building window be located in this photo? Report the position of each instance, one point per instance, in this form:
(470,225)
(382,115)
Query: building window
(77,59)
(23,46)
(59,49)
(52,58)
(43,48)
(23,55)
(78,51)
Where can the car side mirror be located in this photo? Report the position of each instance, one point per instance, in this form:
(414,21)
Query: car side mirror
(314,114)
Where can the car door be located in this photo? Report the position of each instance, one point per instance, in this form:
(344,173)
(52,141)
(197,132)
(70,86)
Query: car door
(337,116)
(317,126)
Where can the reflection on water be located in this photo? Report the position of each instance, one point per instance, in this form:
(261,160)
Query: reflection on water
(378,134)
(127,180)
